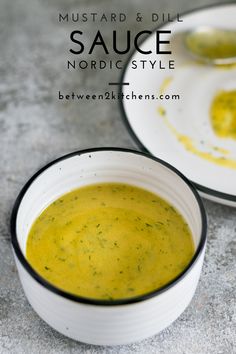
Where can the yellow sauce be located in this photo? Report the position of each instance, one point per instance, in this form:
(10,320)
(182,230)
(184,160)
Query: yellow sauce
(217,156)
(223,114)
(165,84)
(217,44)
(109,241)
(189,145)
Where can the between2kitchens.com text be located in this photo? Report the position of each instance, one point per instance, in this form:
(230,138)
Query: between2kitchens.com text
(113,95)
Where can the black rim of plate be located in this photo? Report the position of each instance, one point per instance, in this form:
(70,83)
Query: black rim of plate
(92,301)
(200,188)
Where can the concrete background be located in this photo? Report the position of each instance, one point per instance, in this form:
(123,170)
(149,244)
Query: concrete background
(35,128)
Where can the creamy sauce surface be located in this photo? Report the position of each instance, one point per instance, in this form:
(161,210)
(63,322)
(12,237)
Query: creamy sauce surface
(109,241)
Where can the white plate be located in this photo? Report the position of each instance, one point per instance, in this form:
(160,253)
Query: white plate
(196,84)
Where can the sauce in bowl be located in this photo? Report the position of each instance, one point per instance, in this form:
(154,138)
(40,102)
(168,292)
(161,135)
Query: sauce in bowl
(109,241)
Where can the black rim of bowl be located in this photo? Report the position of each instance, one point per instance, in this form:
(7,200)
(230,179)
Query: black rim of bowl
(201,188)
(92,301)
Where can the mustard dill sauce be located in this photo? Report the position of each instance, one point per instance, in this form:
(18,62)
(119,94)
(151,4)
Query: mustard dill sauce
(217,44)
(109,241)
(223,114)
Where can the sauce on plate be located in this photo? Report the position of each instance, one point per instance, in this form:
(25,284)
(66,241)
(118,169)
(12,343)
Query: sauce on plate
(223,114)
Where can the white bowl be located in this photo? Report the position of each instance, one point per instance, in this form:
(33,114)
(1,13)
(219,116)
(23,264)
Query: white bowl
(107,322)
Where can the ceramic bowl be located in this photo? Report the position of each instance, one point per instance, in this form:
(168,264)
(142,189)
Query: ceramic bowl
(105,322)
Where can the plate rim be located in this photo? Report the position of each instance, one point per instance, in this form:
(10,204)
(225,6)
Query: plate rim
(209,191)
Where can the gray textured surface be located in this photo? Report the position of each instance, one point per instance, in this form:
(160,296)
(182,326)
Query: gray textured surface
(36,128)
